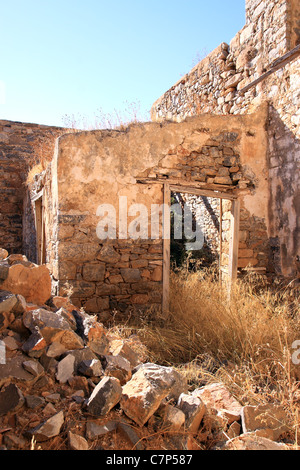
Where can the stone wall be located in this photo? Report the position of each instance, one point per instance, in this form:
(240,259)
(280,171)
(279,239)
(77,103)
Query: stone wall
(216,85)
(99,167)
(22,145)
(213,85)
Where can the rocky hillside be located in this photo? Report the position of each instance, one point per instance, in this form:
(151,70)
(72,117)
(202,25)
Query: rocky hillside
(67,382)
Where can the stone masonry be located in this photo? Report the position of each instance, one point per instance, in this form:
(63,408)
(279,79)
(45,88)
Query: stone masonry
(98,167)
(218,85)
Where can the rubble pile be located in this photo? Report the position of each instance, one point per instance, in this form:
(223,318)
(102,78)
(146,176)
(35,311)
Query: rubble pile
(67,382)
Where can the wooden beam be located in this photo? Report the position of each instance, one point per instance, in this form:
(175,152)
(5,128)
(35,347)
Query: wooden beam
(166,250)
(220,239)
(179,188)
(179,181)
(276,65)
(217,190)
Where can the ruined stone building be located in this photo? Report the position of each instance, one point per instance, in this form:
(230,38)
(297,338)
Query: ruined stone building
(226,134)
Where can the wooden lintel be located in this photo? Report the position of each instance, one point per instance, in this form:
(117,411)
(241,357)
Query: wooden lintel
(234,240)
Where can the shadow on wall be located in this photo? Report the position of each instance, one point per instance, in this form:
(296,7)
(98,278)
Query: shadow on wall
(210,210)
(284,201)
(196,259)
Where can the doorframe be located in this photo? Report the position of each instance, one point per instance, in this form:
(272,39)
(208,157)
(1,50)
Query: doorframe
(234,233)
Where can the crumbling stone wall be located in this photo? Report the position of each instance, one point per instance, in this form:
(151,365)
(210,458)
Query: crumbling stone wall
(21,146)
(99,167)
(217,85)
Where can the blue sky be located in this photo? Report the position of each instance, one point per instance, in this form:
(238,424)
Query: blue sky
(73,57)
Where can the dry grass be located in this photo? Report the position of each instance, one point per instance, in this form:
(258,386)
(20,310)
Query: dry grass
(33,171)
(245,343)
(256,323)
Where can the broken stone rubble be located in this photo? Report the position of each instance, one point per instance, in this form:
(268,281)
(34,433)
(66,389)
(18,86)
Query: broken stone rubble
(102,374)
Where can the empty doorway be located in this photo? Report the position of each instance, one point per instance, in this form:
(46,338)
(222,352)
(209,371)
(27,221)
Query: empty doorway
(206,223)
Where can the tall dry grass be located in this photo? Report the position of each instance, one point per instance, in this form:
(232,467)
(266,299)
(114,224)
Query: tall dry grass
(257,322)
(245,342)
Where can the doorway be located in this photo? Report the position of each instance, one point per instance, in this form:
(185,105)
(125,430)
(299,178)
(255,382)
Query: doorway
(216,234)
(39,229)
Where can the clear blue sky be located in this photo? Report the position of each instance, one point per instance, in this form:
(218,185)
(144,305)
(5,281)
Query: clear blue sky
(74,56)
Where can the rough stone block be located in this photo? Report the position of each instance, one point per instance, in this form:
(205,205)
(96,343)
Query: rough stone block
(173,418)
(49,428)
(3,254)
(217,396)
(77,442)
(95,430)
(142,395)
(11,399)
(91,368)
(119,367)
(79,289)
(265,417)
(65,368)
(108,254)
(77,252)
(33,283)
(139,299)
(250,441)
(193,409)
(67,270)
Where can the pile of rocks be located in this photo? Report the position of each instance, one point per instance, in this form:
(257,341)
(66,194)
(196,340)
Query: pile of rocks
(66,382)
